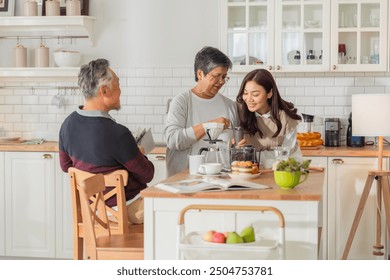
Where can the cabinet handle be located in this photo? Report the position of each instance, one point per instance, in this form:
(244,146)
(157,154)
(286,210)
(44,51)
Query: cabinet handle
(160,157)
(270,67)
(47,156)
(334,67)
(278,67)
(337,161)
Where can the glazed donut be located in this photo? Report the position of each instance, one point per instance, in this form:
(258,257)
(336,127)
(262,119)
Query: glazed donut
(244,167)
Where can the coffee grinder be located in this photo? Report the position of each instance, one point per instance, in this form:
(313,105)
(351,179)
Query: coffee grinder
(332,132)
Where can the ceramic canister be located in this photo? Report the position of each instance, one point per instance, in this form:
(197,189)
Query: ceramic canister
(73,8)
(30,8)
(42,56)
(20,56)
(52,8)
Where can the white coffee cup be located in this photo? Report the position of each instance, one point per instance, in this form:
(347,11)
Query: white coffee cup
(194,162)
(210,168)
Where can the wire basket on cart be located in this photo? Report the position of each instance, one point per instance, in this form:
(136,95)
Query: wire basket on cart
(192,246)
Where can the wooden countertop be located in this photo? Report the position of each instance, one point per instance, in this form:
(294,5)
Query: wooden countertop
(311,189)
(344,151)
(49,146)
(367,151)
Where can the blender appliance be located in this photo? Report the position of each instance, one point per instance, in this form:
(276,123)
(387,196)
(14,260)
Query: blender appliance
(307,124)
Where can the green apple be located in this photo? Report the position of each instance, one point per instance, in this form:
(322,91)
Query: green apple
(248,234)
(233,237)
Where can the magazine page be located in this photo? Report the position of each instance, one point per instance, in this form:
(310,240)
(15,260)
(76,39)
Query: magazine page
(237,184)
(208,184)
(147,141)
(188,186)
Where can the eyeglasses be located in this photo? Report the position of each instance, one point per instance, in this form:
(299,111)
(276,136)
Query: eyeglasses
(219,78)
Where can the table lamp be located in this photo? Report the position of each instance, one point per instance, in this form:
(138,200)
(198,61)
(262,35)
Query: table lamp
(371,117)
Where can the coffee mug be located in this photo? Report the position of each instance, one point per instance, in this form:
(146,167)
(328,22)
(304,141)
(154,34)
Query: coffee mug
(210,168)
(194,162)
(289,180)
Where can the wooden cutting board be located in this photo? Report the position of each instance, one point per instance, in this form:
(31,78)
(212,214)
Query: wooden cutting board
(310,148)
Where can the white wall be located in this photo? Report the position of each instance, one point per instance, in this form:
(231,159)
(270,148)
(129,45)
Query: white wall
(151,44)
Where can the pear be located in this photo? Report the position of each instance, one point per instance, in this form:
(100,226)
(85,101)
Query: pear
(248,234)
(233,238)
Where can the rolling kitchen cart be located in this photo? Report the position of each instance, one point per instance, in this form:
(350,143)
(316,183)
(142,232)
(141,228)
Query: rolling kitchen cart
(192,246)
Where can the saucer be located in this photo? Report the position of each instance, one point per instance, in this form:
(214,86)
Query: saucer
(209,175)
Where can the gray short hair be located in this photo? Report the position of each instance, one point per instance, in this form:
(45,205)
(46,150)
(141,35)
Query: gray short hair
(208,58)
(93,75)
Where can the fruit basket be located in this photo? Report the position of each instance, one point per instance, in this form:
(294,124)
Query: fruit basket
(192,246)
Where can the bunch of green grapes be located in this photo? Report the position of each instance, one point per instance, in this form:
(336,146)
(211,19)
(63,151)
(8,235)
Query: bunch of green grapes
(291,165)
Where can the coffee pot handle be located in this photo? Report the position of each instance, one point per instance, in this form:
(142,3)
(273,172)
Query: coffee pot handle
(203,149)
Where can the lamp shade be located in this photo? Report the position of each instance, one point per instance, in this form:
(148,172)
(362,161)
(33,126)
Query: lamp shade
(371,114)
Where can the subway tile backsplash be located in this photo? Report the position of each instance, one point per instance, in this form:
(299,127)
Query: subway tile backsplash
(146,92)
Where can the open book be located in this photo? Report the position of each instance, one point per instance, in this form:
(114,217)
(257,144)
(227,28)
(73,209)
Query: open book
(209,184)
(145,139)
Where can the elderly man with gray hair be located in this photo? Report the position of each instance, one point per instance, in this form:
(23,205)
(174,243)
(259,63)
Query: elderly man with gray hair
(92,141)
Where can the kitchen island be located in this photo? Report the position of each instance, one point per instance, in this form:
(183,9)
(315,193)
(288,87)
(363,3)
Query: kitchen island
(301,208)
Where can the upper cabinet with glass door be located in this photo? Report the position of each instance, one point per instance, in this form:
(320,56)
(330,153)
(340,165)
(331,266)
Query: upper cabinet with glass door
(247,33)
(359,35)
(279,35)
(302,35)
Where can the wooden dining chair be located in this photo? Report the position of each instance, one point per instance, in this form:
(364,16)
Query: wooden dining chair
(100,244)
(118,220)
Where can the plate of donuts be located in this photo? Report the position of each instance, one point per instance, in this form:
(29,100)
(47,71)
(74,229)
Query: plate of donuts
(245,176)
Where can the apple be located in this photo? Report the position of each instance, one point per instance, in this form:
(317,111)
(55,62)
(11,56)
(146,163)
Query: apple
(218,237)
(226,233)
(248,234)
(208,236)
(234,238)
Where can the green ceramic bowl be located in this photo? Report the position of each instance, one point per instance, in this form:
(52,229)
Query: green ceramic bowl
(289,180)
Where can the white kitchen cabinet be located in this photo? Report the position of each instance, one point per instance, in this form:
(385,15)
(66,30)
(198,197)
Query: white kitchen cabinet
(359,39)
(346,179)
(29,204)
(322,162)
(44,27)
(271,33)
(160,168)
(64,219)
(2,206)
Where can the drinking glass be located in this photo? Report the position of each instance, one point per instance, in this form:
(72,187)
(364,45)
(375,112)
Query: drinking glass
(281,153)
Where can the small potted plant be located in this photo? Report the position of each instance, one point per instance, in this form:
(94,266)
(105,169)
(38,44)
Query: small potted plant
(287,173)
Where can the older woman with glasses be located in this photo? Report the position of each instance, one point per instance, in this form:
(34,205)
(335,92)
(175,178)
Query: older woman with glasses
(189,110)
